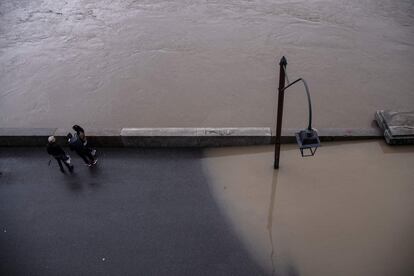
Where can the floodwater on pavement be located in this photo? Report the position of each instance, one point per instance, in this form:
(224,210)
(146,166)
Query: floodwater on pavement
(346,211)
(153,63)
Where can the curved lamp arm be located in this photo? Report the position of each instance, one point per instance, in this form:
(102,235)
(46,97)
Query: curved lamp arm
(309,98)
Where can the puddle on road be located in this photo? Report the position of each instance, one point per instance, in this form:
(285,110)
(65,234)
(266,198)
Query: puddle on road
(347,211)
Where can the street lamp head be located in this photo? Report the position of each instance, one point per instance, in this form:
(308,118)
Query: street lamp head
(308,141)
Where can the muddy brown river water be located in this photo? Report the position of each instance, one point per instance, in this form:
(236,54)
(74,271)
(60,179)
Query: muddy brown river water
(140,63)
(200,63)
(346,211)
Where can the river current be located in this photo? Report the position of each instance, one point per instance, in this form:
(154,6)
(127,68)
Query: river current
(199,63)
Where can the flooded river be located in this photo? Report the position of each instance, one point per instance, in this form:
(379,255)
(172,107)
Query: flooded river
(152,63)
(346,211)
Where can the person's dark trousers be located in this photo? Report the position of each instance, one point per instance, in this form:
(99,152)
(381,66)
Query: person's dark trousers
(89,150)
(60,161)
(86,156)
(88,153)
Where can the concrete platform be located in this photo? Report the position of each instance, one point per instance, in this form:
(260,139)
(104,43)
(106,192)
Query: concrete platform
(398,126)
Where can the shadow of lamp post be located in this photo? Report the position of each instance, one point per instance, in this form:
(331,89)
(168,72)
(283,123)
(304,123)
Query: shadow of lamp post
(307,139)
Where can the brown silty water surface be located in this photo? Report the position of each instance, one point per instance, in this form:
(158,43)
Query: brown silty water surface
(141,63)
(346,211)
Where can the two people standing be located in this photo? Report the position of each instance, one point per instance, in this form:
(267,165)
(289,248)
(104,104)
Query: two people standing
(77,143)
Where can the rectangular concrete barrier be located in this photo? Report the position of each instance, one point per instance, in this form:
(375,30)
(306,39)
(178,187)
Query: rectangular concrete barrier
(194,137)
(175,137)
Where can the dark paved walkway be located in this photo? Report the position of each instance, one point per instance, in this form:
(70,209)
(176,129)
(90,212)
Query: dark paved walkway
(140,212)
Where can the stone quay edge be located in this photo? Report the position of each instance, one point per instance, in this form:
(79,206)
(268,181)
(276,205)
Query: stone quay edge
(177,137)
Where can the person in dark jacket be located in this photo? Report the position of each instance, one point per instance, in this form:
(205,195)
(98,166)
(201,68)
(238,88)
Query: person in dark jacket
(76,144)
(81,134)
(59,154)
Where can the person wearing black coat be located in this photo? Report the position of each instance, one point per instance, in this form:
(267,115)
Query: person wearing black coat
(59,154)
(77,145)
(82,136)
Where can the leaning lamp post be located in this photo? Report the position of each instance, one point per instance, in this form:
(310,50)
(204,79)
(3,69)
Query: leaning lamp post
(307,139)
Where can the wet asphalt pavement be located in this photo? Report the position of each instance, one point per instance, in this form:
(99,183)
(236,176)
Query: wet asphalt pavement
(139,212)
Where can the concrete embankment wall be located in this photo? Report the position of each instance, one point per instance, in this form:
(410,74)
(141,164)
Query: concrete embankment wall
(175,137)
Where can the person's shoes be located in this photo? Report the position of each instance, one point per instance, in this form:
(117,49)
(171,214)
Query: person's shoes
(95,161)
(89,165)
